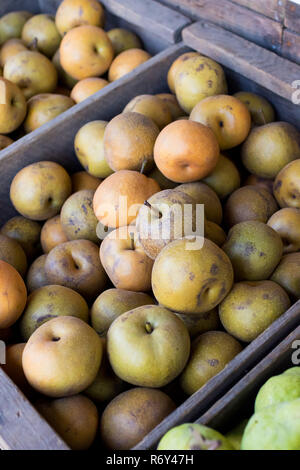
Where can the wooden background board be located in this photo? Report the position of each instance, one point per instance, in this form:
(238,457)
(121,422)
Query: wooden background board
(21,427)
(200,401)
(269,23)
(238,402)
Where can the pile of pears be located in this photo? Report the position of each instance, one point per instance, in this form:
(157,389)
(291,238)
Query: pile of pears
(275,424)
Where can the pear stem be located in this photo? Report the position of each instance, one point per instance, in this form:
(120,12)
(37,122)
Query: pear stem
(147,204)
(143,166)
(148,327)
(132,240)
(263,116)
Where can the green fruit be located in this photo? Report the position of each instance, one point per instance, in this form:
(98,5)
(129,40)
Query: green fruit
(254,249)
(193,437)
(235,436)
(251,307)
(276,427)
(278,389)
(292,371)
(50,302)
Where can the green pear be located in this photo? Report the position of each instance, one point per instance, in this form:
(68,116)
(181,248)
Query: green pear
(280,388)
(276,427)
(193,436)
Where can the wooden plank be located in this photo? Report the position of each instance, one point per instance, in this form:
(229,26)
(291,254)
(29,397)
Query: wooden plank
(30,5)
(157,18)
(248,59)
(196,405)
(292,15)
(236,403)
(248,24)
(271,8)
(21,427)
(291,45)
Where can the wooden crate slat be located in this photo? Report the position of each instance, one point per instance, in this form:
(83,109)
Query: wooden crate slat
(222,415)
(252,61)
(237,368)
(159,19)
(249,24)
(291,45)
(292,16)
(271,8)
(21,427)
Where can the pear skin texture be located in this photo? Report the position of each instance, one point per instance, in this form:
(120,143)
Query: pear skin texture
(36,276)
(210,353)
(13,107)
(26,232)
(198,324)
(265,183)
(13,295)
(125,261)
(197,78)
(76,264)
(89,149)
(175,67)
(287,274)
(72,13)
(152,107)
(114,302)
(191,281)
(13,367)
(203,194)
(172,103)
(133,186)
(63,77)
(39,190)
(164,220)
(287,185)
(148,346)
(249,203)
(286,222)
(5,141)
(254,249)
(276,427)
(43,108)
(132,415)
(94,52)
(87,87)
(12,23)
(52,234)
(186,151)
(193,436)
(251,307)
(62,357)
(270,147)
(106,385)
(228,118)
(41,30)
(125,62)
(77,217)
(75,419)
(12,252)
(83,180)
(278,389)
(163,182)
(10,48)
(214,232)
(262,112)
(50,302)
(123,39)
(33,72)
(129,140)
(225,177)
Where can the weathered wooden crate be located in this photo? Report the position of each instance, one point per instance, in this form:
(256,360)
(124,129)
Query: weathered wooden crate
(238,402)
(254,69)
(273,24)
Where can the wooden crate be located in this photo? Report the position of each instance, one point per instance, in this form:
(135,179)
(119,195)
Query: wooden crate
(20,425)
(239,401)
(273,24)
